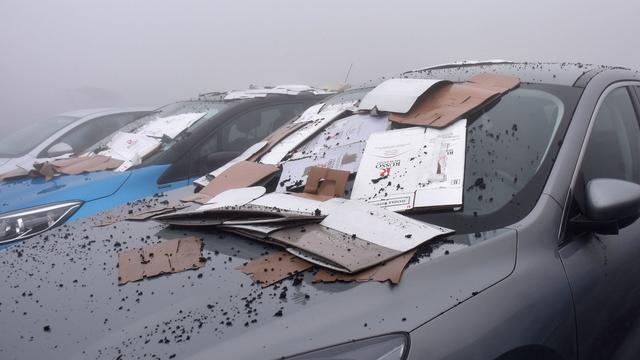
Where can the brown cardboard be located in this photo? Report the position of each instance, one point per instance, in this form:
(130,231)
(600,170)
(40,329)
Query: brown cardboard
(448,103)
(47,170)
(130,266)
(276,136)
(165,257)
(87,164)
(14,174)
(326,182)
(241,174)
(189,254)
(391,270)
(274,267)
(197,198)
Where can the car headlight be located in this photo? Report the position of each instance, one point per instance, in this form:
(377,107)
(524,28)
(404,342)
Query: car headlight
(387,347)
(21,224)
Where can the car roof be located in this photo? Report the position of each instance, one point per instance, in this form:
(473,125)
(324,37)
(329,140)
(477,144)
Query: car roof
(104,111)
(567,74)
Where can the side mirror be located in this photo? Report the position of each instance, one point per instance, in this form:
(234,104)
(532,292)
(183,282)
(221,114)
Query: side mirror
(59,149)
(610,205)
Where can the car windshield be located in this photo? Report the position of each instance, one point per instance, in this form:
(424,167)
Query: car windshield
(24,139)
(159,130)
(509,152)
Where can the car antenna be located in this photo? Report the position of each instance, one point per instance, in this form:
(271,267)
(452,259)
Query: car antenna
(348,72)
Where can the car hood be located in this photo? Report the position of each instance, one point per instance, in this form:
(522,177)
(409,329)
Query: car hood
(60,297)
(3,160)
(29,192)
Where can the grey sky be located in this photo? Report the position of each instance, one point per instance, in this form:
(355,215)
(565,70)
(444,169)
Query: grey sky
(63,55)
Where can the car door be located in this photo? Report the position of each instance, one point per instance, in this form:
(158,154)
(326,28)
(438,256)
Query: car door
(604,270)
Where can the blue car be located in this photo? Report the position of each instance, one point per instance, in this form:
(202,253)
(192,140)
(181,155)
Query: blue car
(204,134)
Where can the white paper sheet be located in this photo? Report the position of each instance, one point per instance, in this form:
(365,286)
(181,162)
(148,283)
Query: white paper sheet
(413,167)
(281,149)
(297,203)
(347,158)
(131,148)
(170,126)
(233,197)
(396,95)
(380,226)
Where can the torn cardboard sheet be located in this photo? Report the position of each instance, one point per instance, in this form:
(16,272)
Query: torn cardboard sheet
(413,168)
(314,122)
(397,95)
(238,175)
(14,174)
(275,137)
(148,214)
(343,158)
(450,102)
(233,197)
(204,180)
(169,256)
(79,165)
(274,267)
(343,132)
(169,126)
(355,236)
(326,182)
(274,209)
(389,271)
(131,148)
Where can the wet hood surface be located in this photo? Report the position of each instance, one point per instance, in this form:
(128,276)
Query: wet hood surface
(59,296)
(28,192)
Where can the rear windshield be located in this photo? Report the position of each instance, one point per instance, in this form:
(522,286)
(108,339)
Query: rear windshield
(510,149)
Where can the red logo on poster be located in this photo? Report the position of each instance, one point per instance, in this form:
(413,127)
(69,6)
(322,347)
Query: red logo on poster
(385,172)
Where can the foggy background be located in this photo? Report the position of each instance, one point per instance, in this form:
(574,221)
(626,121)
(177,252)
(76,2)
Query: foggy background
(64,55)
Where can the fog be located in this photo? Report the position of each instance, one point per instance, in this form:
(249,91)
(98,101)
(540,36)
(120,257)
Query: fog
(63,55)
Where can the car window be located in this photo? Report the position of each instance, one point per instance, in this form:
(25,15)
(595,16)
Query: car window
(92,131)
(250,127)
(23,140)
(613,150)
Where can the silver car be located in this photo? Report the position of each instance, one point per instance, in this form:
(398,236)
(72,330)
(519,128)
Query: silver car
(71,132)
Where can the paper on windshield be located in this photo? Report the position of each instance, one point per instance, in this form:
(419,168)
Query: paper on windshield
(130,148)
(397,95)
(233,197)
(170,126)
(412,168)
(316,119)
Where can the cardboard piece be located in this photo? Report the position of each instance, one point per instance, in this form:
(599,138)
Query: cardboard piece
(233,197)
(413,168)
(84,164)
(148,214)
(238,175)
(170,126)
(275,137)
(165,257)
(389,271)
(14,174)
(356,236)
(326,182)
(314,121)
(448,103)
(397,95)
(204,180)
(131,148)
(274,267)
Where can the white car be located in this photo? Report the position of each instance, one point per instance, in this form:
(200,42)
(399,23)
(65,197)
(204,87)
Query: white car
(62,135)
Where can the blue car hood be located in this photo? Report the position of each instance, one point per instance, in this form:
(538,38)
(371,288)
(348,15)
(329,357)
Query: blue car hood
(26,193)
